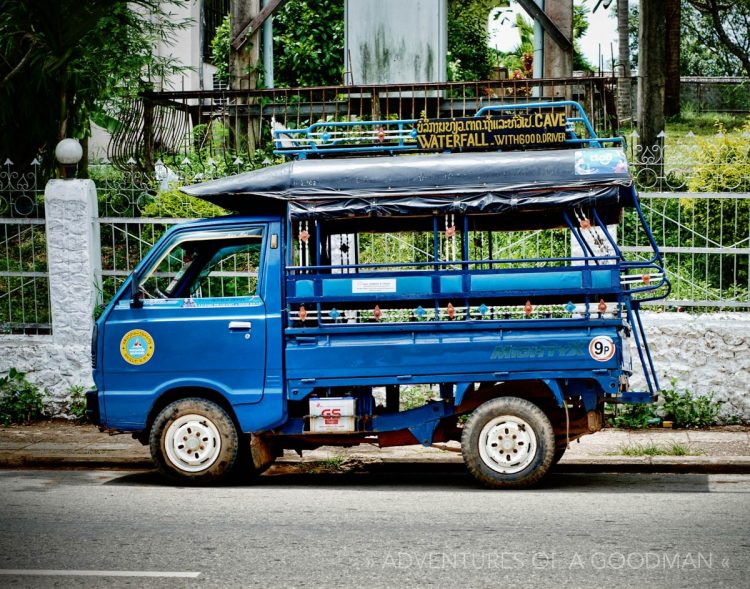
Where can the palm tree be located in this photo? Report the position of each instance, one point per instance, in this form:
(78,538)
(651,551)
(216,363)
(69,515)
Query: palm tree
(623,70)
(672,82)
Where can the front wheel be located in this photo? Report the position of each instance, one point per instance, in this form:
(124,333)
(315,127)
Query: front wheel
(194,441)
(508,443)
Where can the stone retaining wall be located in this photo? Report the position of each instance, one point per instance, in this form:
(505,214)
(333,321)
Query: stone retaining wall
(704,354)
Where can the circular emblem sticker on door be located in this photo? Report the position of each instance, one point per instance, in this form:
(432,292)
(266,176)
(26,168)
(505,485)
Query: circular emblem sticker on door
(137,346)
(602,348)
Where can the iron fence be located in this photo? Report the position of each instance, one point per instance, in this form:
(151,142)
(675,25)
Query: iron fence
(705,241)
(704,237)
(24,279)
(689,163)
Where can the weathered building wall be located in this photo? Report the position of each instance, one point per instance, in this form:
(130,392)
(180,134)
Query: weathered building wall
(381,49)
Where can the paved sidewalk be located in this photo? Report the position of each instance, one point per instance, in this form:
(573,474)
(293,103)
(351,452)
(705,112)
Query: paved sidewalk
(62,444)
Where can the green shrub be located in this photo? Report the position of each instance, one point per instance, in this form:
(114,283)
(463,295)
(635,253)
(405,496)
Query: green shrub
(20,400)
(634,417)
(308,42)
(415,396)
(722,161)
(220,49)
(686,410)
(77,403)
(173,203)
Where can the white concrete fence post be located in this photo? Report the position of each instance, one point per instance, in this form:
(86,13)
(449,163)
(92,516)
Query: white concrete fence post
(74,260)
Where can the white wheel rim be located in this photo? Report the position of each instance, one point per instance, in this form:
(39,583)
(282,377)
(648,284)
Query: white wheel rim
(507,444)
(192,443)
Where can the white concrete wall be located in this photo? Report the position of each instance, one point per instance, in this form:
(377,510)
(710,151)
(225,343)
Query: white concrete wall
(707,353)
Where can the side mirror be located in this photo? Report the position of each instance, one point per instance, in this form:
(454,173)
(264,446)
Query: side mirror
(136,296)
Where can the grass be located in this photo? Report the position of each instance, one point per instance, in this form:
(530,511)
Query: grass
(335,464)
(675,449)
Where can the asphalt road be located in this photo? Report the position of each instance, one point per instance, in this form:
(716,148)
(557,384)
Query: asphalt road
(406,526)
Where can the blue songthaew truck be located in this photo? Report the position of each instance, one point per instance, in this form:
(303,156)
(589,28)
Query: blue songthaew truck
(395,282)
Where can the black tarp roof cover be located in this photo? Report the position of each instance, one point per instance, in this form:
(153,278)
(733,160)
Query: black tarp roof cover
(486,182)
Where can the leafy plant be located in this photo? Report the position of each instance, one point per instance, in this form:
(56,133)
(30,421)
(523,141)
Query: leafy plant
(20,400)
(470,55)
(308,43)
(634,417)
(220,49)
(687,410)
(723,160)
(416,396)
(333,465)
(77,403)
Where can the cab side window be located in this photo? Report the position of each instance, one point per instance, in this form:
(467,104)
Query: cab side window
(208,266)
(232,271)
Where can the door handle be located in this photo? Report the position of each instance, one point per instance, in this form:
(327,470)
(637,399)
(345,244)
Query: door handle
(240,325)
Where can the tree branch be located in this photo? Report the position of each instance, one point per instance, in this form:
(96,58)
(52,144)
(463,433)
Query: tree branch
(24,60)
(713,9)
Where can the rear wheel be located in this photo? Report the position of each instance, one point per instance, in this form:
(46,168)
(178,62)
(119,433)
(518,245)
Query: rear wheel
(508,443)
(194,441)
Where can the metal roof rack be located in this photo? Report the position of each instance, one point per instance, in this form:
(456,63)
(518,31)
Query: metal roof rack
(491,128)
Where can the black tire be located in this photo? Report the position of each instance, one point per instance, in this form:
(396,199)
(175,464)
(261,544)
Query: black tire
(508,443)
(194,441)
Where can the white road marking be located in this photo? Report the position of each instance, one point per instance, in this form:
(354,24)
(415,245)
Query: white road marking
(74,573)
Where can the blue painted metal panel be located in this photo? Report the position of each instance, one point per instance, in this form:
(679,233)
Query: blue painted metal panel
(334,287)
(451,284)
(191,345)
(303,288)
(410,355)
(537,281)
(575,281)
(605,279)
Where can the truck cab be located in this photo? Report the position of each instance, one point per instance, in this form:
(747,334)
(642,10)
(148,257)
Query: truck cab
(486,284)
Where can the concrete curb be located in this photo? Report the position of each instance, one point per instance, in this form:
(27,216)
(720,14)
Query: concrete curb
(65,462)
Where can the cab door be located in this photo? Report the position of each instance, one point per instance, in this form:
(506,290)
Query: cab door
(202,325)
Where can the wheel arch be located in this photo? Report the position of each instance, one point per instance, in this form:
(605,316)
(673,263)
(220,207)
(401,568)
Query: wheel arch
(185,392)
(546,393)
